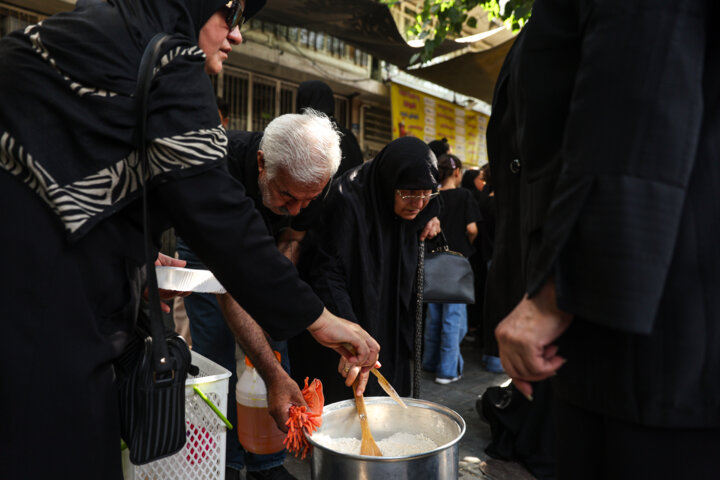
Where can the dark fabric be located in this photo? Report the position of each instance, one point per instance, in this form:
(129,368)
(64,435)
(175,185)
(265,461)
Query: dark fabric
(459,210)
(72,78)
(592,446)
(623,211)
(242,165)
(366,264)
(69,308)
(522,431)
(318,95)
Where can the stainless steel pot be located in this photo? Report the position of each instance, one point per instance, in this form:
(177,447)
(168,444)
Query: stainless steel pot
(439,423)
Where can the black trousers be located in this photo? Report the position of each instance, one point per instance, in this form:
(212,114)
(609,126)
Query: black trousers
(592,446)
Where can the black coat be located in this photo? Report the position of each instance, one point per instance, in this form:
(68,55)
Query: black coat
(365,269)
(604,154)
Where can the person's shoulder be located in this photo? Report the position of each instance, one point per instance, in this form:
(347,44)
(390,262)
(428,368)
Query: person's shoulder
(242,140)
(242,152)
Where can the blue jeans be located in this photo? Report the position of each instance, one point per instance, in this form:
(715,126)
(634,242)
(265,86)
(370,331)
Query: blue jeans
(445,327)
(212,338)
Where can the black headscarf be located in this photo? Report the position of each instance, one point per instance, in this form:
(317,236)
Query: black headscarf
(317,95)
(67,126)
(366,268)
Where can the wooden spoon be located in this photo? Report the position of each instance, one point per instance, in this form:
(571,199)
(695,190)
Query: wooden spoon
(367,444)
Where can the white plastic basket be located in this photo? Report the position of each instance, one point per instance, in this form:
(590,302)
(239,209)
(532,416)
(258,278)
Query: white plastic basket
(203,457)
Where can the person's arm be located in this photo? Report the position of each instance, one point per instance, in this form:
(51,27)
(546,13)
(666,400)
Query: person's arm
(288,242)
(471,230)
(431,230)
(220,224)
(609,234)
(282,390)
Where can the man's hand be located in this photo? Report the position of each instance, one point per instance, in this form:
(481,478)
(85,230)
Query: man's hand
(525,339)
(332,332)
(432,228)
(282,392)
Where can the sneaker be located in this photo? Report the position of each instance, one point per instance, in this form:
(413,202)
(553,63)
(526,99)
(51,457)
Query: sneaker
(274,473)
(445,381)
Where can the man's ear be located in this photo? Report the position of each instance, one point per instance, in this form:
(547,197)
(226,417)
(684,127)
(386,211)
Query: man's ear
(260,161)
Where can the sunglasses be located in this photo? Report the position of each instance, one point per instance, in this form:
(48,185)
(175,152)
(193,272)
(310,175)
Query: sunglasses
(235,17)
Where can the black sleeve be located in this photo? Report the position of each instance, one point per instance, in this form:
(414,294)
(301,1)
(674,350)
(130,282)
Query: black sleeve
(220,224)
(351,154)
(331,269)
(630,142)
(472,211)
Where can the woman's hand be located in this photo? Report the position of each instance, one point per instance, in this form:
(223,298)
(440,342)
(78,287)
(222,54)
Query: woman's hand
(333,332)
(165,261)
(352,372)
(432,228)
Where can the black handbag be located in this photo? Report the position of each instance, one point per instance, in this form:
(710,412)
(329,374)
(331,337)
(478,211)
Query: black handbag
(153,367)
(448,275)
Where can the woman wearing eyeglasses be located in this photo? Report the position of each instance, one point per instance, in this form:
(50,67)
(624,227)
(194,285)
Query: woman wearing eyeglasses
(365,270)
(71,220)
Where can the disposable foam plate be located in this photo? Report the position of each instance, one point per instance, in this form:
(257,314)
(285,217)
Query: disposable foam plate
(187,280)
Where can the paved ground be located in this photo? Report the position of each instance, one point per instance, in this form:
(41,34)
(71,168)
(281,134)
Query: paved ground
(459,396)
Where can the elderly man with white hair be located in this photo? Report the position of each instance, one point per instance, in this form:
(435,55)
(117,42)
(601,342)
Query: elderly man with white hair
(285,170)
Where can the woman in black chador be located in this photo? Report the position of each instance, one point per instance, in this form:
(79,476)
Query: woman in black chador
(366,268)
(72,234)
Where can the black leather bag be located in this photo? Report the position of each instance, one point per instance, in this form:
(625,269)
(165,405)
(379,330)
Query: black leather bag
(152,403)
(448,275)
(152,369)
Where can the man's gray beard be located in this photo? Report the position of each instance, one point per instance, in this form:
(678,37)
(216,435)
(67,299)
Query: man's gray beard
(263,183)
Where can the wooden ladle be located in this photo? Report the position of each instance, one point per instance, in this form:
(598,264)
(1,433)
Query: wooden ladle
(367,443)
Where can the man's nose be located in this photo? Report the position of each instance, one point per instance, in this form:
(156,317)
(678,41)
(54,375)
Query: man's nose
(294,207)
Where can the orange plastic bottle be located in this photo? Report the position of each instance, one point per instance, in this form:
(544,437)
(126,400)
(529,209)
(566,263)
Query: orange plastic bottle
(256,428)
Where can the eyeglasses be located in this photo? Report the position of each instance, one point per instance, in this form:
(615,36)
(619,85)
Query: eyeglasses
(406,196)
(235,17)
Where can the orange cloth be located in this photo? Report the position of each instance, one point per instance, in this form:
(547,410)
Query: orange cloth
(305,419)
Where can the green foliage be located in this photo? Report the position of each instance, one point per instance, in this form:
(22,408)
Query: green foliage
(440,18)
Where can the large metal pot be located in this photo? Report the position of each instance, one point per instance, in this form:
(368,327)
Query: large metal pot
(439,423)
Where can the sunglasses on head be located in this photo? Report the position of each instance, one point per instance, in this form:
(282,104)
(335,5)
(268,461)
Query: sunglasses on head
(235,17)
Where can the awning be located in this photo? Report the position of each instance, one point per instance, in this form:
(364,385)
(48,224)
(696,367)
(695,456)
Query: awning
(472,74)
(366,24)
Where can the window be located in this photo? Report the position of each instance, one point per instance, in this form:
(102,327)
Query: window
(12,19)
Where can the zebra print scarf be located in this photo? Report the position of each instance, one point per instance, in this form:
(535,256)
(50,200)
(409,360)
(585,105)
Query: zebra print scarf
(67,122)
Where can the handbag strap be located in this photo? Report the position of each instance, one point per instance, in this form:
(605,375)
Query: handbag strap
(163,370)
(440,243)
(417,358)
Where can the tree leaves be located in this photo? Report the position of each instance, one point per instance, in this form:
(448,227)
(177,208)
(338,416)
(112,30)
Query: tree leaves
(438,18)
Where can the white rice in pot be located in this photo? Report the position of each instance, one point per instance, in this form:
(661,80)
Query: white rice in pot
(398,445)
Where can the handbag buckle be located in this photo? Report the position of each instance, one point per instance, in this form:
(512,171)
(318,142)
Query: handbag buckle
(160,381)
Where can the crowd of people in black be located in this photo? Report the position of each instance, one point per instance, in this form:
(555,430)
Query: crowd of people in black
(591,234)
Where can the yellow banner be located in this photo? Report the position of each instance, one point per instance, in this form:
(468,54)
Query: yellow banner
(429,118)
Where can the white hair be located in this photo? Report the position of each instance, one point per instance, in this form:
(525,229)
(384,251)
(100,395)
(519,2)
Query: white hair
(306,145)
